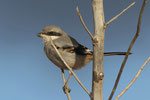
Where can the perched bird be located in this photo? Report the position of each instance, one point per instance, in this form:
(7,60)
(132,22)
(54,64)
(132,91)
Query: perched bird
(75,54)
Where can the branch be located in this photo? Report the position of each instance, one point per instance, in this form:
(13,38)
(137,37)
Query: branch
(98,49)
(84,23)
(64,80)
(128,51)
(70,69)
(133,80)
(119,14)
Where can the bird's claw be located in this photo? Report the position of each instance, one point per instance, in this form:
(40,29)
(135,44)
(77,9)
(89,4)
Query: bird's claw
(66,89)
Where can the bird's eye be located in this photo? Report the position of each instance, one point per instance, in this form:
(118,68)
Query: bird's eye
(53,34)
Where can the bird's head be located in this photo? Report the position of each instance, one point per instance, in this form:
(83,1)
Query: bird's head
(51,31)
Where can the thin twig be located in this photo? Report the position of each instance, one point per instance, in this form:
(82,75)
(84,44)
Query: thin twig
(128,51)
(81,19)
(64,80)
(133,80)
(119,14)
(70,69)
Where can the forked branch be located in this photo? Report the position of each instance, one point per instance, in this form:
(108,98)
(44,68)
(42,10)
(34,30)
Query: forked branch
(128,51)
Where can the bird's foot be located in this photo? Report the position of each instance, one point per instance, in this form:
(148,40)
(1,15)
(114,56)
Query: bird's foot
(66,89)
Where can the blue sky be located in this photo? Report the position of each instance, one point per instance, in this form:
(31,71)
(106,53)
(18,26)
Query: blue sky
(27,74)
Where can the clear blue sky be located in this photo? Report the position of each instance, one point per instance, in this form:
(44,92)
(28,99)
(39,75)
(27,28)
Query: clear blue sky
(27,74)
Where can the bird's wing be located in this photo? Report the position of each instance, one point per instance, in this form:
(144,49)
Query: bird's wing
(82,50)
(66,41)
(71,45)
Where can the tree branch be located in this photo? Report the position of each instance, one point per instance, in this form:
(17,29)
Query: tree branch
(84,23)
(119,14)
(128,51)
(98,48)
(133,80)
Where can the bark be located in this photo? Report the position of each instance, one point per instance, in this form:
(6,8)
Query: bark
(98,48)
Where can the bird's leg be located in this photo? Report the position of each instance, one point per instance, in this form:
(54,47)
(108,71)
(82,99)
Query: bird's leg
(65,88)
(66,84)
(64,80)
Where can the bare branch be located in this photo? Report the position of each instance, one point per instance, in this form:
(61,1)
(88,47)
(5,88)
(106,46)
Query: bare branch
(84,23)
(119,14)
(70,69)
(64,80)
(133,80)
(128,51)
(98,50)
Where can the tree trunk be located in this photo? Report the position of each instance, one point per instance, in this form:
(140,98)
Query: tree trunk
(98,48)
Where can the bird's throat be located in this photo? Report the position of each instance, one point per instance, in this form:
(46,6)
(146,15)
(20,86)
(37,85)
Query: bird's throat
(54,37)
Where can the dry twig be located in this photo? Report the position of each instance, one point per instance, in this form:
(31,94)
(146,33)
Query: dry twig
(83,23)
(119,14)
(128,51)
(70,69)
(133,80)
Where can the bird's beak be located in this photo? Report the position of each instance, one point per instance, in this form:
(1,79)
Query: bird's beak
(39,34)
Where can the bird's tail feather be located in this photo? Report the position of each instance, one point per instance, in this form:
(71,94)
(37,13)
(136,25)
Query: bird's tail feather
(115,53)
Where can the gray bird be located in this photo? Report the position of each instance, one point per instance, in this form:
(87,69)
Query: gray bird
(75,54)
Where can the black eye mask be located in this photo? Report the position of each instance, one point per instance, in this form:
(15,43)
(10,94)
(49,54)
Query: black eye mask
(52,34)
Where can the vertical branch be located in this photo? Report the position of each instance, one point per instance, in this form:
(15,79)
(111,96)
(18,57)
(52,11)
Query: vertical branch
(98,48)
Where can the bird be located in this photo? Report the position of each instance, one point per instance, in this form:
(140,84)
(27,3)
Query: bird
(75,54)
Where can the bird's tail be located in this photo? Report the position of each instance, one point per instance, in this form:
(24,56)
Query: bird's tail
(115,53)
